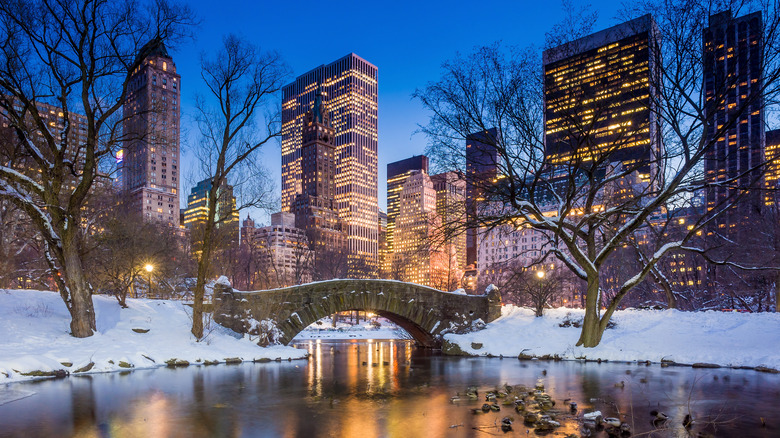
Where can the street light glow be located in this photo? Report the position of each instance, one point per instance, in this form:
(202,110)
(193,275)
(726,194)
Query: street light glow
(149,268)
(540,274)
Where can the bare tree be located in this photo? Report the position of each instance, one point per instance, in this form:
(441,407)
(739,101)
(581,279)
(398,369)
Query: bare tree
(242,82)
(77,56)
(329,263)
(121,251)
(594,200)
(538,288)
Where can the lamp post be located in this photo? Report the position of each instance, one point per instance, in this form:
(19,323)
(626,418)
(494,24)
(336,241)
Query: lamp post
(540,298)
(149,268)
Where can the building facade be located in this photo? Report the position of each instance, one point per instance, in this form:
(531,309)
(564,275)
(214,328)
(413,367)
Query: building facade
(349,88)
(612,77)
(281,250)
(226,216)
(734,111)
(772,175)
(397,174)
(315,207)
(151,155)
(418,256)
(450,190)
(482,168)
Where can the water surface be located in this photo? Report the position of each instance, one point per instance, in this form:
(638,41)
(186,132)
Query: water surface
(381,389)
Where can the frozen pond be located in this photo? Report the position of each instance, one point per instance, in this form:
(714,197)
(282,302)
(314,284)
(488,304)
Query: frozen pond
(383,389)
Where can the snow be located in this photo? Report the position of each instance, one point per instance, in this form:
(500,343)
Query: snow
(34,328)
(343,330)
(223,281)
(723,338)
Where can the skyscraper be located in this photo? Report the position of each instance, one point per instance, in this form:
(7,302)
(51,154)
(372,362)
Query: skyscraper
(397,174)
(416,259)
(481,169)
(734,105)
(611,77)
(772,176)
(450,190)
(226,217)
(150,165)
(349,86)
(315,207)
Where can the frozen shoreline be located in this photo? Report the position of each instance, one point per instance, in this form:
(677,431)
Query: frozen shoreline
(726,339)
(34,337)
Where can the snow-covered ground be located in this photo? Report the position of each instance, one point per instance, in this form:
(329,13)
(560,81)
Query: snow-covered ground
(34,336)
(728,339)
(324,329)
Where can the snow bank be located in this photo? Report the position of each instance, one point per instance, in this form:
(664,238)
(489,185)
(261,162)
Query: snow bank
(34,336)
(728,339)
(381,333)
(344,330)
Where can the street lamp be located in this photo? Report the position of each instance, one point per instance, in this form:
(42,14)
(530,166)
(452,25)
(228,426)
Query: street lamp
(540,274)
(149,268)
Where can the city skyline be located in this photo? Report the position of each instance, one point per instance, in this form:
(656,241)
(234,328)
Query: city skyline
(405,62)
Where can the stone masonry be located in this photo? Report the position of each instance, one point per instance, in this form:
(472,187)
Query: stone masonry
(276,316)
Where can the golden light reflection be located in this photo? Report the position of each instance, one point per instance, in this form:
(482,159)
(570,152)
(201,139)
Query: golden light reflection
(148,417)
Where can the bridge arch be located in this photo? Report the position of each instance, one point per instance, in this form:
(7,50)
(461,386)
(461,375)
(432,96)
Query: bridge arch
(424,312)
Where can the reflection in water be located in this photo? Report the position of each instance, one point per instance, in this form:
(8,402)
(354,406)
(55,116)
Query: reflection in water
(381,388)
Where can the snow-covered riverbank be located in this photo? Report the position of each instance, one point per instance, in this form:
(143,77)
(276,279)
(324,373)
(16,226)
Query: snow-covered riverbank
(343,330)
(727,339)
(34,337)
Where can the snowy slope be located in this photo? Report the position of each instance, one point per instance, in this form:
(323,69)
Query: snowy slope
(34,336)
(728,339)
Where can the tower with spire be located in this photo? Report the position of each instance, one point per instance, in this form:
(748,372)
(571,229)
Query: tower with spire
(315,205)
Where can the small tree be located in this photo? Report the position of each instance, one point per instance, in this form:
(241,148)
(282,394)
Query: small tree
(242,82)
(122,249)
(538,288)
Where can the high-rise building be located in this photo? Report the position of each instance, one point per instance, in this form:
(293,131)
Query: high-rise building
(315,207)
(150,164)
(772,175)
(418,256)
(611,75)
(349,88)
(196,214)
(54,118)
(450,190)
(734,107)
(397,174)
(383,254)
(482,164)
(281,250)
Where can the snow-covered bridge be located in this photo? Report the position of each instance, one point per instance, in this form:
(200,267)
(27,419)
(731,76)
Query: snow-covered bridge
(278,315)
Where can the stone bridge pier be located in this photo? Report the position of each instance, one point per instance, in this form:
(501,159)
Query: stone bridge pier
(277,315)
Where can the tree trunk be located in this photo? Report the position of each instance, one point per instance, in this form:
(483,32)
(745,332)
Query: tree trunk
(82,311)
(203,269)
(671,300)
(591,333)
(777,293)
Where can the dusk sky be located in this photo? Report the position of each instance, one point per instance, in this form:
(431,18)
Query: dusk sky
(407,41)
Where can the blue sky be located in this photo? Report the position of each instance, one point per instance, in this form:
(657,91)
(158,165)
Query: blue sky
(406,40)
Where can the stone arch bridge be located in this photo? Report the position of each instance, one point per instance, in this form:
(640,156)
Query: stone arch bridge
(278,315)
